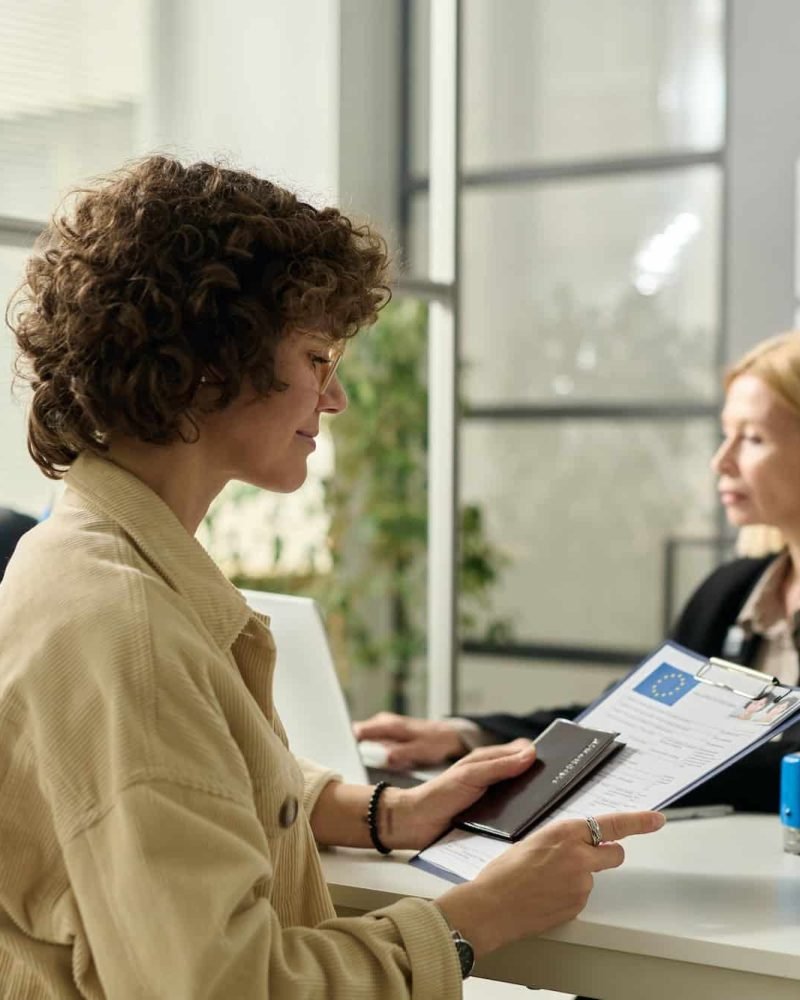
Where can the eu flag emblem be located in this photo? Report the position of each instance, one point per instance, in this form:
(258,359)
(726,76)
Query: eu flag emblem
(666,684)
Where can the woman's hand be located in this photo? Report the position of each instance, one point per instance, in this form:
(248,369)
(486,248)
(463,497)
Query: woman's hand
(411,741)
(421,814)
(542,881)
(413,817)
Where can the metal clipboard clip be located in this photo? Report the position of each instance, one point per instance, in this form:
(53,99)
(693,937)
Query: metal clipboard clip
(746,682)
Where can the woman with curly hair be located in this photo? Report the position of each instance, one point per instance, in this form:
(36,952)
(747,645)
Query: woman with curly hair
(180,327)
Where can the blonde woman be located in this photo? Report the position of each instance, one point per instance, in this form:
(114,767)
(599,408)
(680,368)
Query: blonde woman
(747,610)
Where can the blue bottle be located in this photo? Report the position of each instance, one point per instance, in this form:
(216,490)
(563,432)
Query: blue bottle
(790,802)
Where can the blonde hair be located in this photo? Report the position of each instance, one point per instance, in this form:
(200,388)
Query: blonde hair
(757,540)
(775,361)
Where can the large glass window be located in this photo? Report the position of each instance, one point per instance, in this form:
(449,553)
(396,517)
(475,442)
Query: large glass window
(561,80)
(583,510)
(549,81)
(600,288)
(590,319)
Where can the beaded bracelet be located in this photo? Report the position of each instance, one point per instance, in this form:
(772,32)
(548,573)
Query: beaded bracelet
(372,818)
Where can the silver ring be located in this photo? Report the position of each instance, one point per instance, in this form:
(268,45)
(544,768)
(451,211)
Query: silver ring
(594,831)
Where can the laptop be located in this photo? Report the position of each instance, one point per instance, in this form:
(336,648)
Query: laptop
(307,692)
(308,695)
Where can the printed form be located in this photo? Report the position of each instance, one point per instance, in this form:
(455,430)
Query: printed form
(677,731)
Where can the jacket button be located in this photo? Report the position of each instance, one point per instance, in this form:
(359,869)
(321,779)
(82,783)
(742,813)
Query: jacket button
(288,812)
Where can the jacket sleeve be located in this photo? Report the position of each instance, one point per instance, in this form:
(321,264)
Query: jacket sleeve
(315,778)
(166,887)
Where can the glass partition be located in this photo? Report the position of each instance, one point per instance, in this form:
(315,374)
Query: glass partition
(582,510)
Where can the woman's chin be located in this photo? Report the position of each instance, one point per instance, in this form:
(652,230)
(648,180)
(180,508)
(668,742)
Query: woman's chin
(284,482)
(287,483)
(738,518)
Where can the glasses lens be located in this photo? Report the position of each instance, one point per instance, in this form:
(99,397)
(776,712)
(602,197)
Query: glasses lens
(330,370)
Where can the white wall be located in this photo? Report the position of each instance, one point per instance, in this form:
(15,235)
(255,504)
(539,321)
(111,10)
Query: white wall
(488,684)
(256,81)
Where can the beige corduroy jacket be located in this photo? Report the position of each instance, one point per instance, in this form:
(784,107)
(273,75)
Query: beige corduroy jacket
(149,841)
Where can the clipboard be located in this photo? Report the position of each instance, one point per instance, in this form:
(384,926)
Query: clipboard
(737,678)
(745,685)
(683,719)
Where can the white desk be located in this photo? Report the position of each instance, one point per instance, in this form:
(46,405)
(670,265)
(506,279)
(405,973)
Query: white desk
(703,909)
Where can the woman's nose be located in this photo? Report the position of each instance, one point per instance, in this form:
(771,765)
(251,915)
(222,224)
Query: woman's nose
(334,399)
(722,459)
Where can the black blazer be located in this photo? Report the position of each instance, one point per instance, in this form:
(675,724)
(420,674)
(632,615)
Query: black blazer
(752,784)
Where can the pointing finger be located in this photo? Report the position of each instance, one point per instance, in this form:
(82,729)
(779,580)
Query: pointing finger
(615,826)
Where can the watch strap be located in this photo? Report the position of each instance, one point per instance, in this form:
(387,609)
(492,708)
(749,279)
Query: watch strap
(465,952)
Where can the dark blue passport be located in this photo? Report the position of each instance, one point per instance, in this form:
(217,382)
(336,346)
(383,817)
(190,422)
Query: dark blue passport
(566,754)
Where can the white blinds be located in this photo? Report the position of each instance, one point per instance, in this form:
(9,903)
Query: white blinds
(72,80)
(69,54)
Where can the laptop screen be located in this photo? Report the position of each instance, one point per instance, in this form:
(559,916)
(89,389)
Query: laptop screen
(307,692)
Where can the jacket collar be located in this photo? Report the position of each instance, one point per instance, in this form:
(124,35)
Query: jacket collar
(764,605)
(156,531)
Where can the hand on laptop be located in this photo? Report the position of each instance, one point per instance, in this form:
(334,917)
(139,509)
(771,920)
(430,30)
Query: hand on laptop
(411,742)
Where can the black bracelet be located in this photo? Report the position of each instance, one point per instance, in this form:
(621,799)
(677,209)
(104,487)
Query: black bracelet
(372,818)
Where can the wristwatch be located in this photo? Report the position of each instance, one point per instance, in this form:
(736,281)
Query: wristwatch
(465,952)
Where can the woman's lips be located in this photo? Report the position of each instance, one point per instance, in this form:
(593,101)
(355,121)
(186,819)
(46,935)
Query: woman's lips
(309,438)
(730,497)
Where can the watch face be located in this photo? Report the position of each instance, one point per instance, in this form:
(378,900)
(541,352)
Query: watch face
(466,955)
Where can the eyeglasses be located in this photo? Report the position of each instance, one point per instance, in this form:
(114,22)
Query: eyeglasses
(326,362)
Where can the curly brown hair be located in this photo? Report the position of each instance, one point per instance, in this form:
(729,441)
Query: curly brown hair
(165,274)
